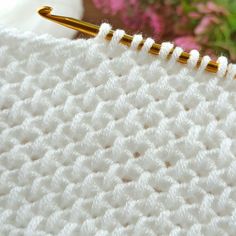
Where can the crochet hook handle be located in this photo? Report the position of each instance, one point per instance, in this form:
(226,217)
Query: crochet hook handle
(93,30)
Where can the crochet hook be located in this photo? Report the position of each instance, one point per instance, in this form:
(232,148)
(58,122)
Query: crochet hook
(93,30)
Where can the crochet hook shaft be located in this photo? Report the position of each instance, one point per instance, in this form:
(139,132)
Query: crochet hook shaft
(93,30)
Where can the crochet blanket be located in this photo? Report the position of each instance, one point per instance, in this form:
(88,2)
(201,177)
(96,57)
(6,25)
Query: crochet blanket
(98,139)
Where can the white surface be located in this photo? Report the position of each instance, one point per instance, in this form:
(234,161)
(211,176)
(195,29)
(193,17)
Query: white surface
(22,14)
(96,139)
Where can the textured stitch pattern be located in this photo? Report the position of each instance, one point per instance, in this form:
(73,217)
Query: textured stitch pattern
(98,139)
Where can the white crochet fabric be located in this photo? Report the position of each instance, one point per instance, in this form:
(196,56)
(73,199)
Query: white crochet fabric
(98,139)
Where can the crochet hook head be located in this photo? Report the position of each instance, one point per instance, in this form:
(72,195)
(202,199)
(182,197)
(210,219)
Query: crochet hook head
(93,30)
(69,22)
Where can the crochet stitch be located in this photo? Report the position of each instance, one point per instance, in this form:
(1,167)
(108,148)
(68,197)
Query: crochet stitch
(98,139)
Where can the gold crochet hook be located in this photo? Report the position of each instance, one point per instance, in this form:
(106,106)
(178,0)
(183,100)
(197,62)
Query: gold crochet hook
(93,30)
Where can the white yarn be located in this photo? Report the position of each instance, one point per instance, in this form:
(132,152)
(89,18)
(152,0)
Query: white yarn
(231,71)
(176,54)
(205,60)
(193,59)
(137,38)
(147,45)
(104,30)
(98,139)
(117,36)
(166,47)
(223,63)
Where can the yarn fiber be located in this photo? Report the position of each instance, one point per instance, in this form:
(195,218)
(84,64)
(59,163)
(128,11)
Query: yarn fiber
(98,139)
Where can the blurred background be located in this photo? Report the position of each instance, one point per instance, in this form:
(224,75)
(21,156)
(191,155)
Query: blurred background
(208,26)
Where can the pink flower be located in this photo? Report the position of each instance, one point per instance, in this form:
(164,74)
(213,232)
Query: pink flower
(117,5)
(133,2)
(179,10)
(205,23)
(211,7)
(132,15)
(154,20)
(110,6)
(187,43)
(194,15)
(134,22)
